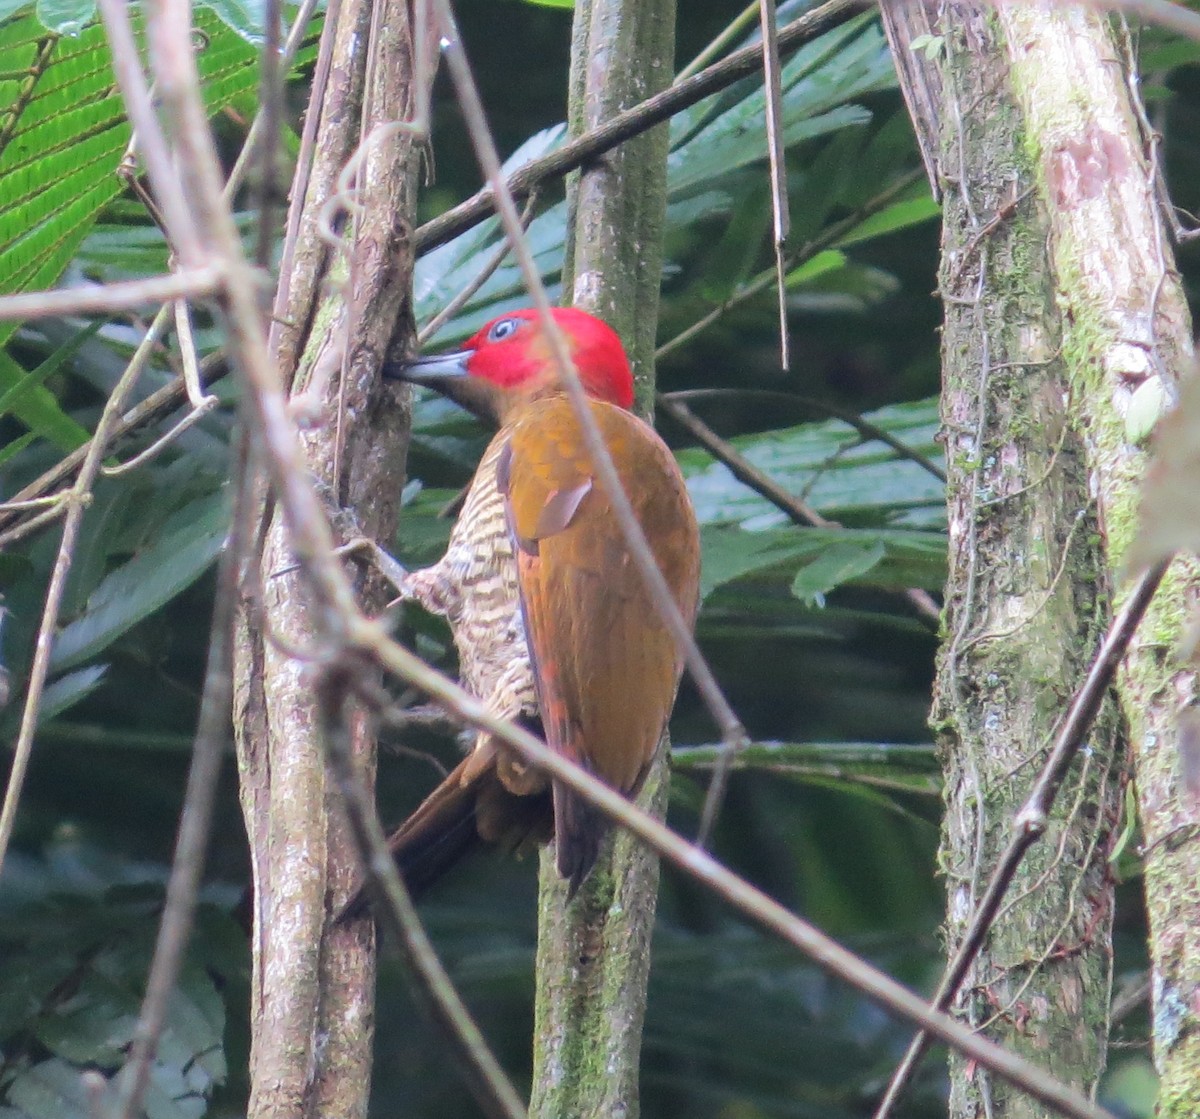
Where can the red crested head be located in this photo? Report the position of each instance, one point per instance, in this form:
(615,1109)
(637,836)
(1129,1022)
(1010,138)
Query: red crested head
(510,359)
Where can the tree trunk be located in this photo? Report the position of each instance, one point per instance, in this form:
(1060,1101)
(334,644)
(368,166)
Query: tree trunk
(593,958)
(1127,337)
(1027,598)
(311,993)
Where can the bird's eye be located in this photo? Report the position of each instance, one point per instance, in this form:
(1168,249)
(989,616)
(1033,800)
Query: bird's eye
(502,329)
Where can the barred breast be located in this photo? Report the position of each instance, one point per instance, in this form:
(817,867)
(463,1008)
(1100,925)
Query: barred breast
(474,586)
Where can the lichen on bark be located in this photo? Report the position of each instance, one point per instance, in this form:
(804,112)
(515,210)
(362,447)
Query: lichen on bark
(1027,596)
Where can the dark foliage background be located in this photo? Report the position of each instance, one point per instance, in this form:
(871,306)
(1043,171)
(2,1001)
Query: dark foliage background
(808,629)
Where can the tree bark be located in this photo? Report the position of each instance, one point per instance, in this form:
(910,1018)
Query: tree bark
(593,959)
(1027,598)
(311,993)
(1128,338)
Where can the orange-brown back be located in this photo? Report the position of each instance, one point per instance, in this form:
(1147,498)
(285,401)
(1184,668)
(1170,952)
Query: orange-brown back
(605,664)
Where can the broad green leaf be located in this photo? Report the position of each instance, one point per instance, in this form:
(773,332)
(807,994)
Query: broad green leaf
(58,169)
(189,542)
(12,398)
(66,17)
(837,564)
(247,17)
(52,1089)
(35,406)
(900,215)
(907,557)
(830,466)
(828,261)
(68,690)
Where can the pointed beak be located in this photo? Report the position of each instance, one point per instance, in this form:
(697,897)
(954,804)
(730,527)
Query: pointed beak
(431,371)
(448,374)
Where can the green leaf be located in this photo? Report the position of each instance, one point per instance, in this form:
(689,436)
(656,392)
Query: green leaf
(11,450)
(23,395)
(828,261)
(50,1090)
(899,215)
(830,466)
(68,690)
(58,169)
(837,564)
(187,545)
(908,557)
(66,17)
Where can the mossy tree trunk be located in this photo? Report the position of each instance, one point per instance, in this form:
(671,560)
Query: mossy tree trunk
(1027,598)
(1127,338)
(593,957)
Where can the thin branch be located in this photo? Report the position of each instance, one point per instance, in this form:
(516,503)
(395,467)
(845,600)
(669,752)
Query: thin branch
(488,1081)
(75,501)
(799,511)
(732,30)
(160,444)
(493,262)
(304,14)
(654,110)
(772,84)
(738,893)
(110,298)
(739,466)
(168,186)
(1029,824)
(212,734)
(865,428)
(270,94)
(159,404)
(727,721)
(829,236)
(166,399)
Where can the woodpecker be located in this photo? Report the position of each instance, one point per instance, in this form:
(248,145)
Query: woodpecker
(553,623)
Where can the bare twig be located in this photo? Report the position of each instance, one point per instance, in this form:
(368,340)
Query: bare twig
(163,441)
(271,114)
(157,405)
(742,468)
(732,30)
(780,217)
(168,188)
(489,1083)
(646,114)
(727,721)
(120,295)
(212,734)
(1029,824)
(800,511)
(829,236)
(738,893)
(75,501)
(166,399)
(201,402)
(865,428)
(481,277)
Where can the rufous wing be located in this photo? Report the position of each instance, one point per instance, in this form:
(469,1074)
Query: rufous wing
(605,664)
